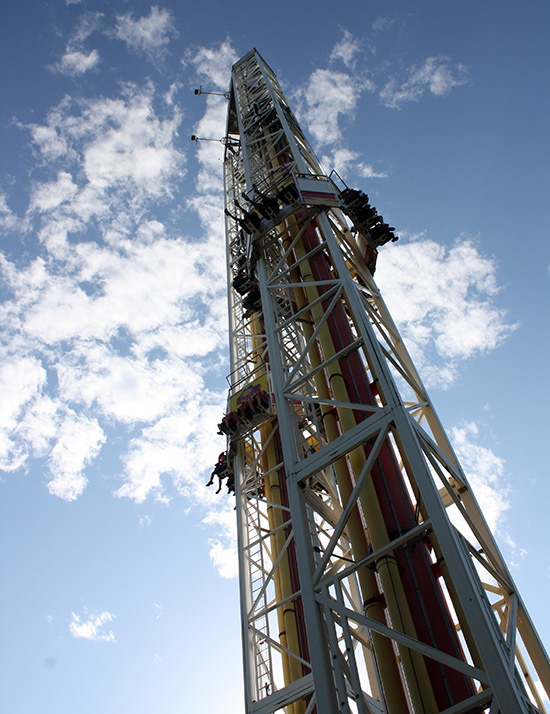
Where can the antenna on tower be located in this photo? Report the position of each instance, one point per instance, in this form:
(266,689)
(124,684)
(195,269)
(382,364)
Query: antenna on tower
(228,141)
(200,91)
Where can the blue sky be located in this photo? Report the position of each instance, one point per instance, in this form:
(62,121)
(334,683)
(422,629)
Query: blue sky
(117,563)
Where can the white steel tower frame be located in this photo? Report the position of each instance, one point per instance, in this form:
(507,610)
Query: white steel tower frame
(369,579)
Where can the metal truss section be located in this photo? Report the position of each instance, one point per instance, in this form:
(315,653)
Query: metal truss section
(370,582)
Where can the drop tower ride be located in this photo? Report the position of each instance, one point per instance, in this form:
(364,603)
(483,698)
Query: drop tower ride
(369,579)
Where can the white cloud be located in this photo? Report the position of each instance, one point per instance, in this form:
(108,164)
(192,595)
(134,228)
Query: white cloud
(443,302)
(171,93)
(129,390)
(223,550)
(327,96)
(149,34)
(38,427)
(382,23)
(50,195)
(33,425)
(120,154)
(368,171)
(79,440)
(20,381)
(485,472)
(518,553)
(346,50)
(74,62)
(213,64)
(209,180)
(77,60)
(437,74)
(127,326)
(93,627)
(180,447)
(8,219)
(48,140)
(139,290)
(86,24)
(345,162)
(135,323)
(130,144)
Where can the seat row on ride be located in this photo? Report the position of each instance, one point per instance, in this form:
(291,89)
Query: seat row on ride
(253,407)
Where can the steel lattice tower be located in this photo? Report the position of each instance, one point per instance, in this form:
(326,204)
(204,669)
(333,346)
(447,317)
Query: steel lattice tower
(369,579)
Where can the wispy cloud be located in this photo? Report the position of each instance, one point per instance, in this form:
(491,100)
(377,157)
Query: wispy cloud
(119,331)
(8,219)
(93,627)
(51,194)
(485,472)
(87,23)
(148,34)
(171,93)
(346,161)
(78,441)
(161,453)
(327,96)
(178,447)
(32,423)
(76,59)
(223,549)
(115,328)
(438,75)
(443,300)
(74,63)
(123,152)
(382,23)
(213,64)
(346,49)
(330,97)
(21,380)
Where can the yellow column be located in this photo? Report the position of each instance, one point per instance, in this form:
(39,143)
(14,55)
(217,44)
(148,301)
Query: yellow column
(385,655)
(418,682)
(286,614)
